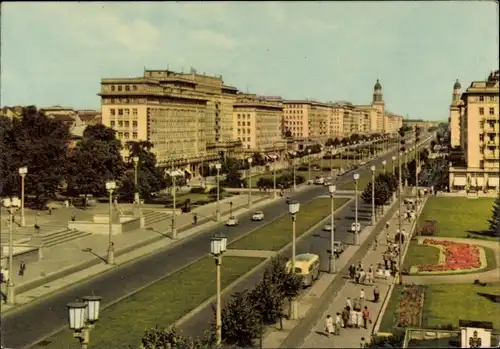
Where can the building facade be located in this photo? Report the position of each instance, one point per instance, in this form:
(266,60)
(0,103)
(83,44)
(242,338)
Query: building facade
(257,123)
(187,117)
(475,127)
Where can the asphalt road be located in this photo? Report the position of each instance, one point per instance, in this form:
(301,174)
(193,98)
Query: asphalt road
(31,325)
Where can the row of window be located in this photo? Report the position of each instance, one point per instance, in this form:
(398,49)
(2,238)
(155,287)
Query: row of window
(123,87)
(490,98)
(123,112)
(491,111)
(123,123)
(126,135)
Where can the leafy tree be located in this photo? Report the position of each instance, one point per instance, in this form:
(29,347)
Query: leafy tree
(287,133)
(95,159)
(240,321)
(41,144)
(495,217)
(329,142)
(150,178)
(9,182)
(267,300)
(258,159)
(157,338)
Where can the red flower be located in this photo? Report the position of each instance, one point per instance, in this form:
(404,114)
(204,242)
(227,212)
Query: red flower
(458,256)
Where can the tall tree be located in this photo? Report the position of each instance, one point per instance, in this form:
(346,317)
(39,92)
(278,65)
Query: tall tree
(8,164)
(495,217)
(150,178)
(158,338)
(240,321)
(95,159)
(41,144)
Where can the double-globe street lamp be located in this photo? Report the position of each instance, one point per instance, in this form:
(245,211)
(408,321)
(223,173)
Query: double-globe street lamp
(331,256)
(82,316)
(293,209)
(218,166)
(23,171)
(137,197)
(249,180)
(218,246)
(384,164)
(12,205)
(274,157)
(309,165)
(110,187)
(356,224)
(393,165)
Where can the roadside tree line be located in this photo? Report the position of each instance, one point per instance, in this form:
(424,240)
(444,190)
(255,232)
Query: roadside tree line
(243,316)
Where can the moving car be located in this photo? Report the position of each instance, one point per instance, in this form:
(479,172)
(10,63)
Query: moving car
(355,227)
(338,247)
(232,221)
(306,265)
(319,180)
(258,216)
(327,227)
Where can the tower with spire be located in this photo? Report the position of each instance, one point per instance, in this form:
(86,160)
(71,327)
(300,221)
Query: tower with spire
(456,92)
(454,119)
(378,98)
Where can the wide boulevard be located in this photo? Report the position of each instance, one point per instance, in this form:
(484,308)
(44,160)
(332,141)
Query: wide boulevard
(28,326)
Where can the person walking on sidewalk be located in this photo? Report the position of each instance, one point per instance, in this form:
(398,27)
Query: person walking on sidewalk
(348,302)
(366,317)
(329,326)
(345,317)
(338,324)
(363,343)
(376,294)
(3,282)
(22,268)
(362,295)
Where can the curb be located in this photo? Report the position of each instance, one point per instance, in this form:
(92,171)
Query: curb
(253,270)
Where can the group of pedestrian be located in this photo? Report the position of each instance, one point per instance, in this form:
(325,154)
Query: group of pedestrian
(360,276)
(390,257)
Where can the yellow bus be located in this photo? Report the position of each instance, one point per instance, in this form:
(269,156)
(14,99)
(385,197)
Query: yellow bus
(306,265)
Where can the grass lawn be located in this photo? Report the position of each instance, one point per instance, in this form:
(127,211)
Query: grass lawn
(459,217)
(362,182)
(277,234)
(388,319)
(123,324)
(446,304)
(420,255)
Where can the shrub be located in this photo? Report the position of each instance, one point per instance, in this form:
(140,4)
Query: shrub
(429,228)
(213,191)
(197,190)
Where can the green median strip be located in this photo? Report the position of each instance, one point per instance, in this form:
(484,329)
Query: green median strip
(274,236)
(123,324)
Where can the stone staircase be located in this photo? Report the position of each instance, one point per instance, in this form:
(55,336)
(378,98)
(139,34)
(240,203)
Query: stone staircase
(151,217)
(51,234)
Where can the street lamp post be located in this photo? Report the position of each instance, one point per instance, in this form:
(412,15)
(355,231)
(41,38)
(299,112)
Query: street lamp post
(406,164)
(293,209)
(82,316)
(393,165)
(249,182)
(400,221)
(331,265)
(331,162)
(293,168)
(309,165)
(137,197)
(384,164)
(218,166)
(174,202)
(12,205)
(110,187)
(356,229)
(23,171)
(218,246)
(274,176)
(373,195)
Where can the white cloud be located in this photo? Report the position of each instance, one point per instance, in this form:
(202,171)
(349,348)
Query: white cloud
(211,37)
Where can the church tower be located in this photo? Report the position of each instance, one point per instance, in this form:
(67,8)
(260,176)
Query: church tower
(456,93)
(454,121)
(378,98)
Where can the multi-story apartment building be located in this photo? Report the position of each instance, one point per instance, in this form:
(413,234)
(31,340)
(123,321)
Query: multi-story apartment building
(187,117)
(392,122)
(257,123)
(475,126)
(420,123)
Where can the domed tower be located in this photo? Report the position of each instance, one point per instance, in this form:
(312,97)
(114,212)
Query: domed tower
(456,92)
(377,92)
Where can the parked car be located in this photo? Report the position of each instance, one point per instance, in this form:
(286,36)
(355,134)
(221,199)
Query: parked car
(355,227)
(232,221)
(338,247)
(258,216)
(319,180)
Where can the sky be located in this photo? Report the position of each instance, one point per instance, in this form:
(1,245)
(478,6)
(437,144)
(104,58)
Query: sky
(56,53)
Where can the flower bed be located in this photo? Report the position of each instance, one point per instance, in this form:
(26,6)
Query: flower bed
(457,256)
(409,310)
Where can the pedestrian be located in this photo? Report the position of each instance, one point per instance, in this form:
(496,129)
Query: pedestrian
(195,219)
(50,211)
(376,294)
(375,243)
(352,271)
(329,325)
(338,324)
(345,317)
(362,276)
(366,317)
(387,273)
(22,268)
(357,276)
(369,274)
(37,228)
(73,217)
(348,302)
(6,275)
(353,317)
(362,294)
(362,344)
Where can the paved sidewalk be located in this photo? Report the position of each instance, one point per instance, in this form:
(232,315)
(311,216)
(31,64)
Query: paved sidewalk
(88,249)
(351,337)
